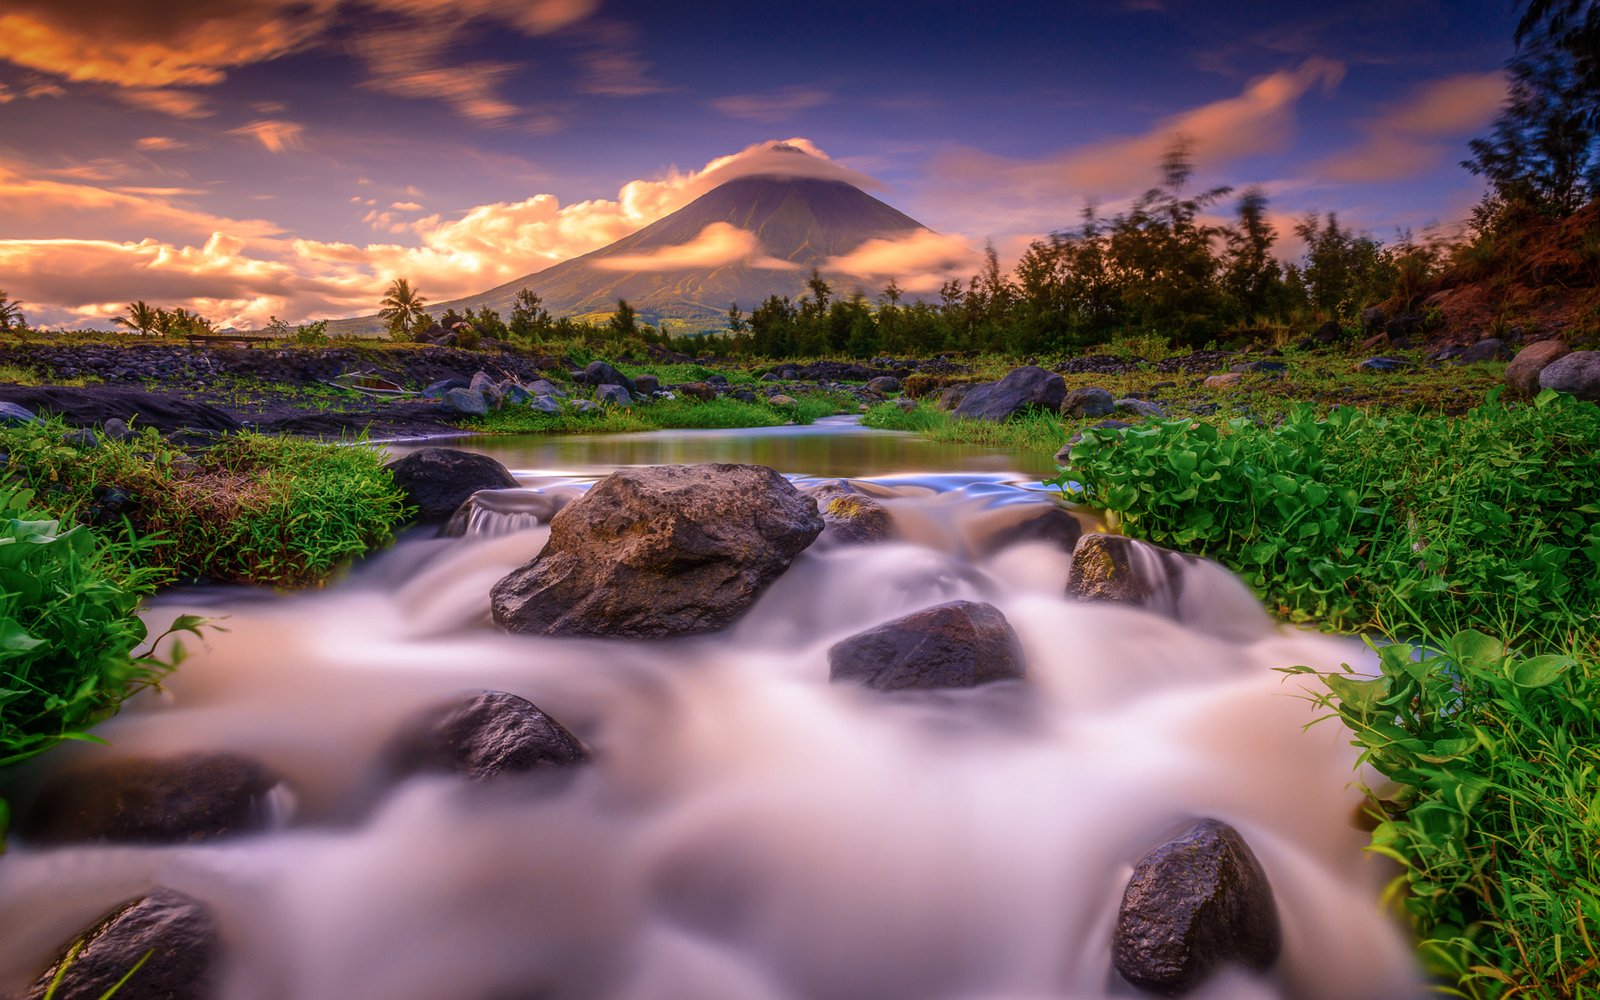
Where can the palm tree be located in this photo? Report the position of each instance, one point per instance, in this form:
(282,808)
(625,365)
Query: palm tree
(402,308)
(11,318)
(140,318)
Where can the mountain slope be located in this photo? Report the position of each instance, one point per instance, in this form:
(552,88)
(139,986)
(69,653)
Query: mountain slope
(797,224)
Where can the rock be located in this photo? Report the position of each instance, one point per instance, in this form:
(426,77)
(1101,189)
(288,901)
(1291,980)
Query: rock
(585,406)
(82,438)
(1143,408)
(660,551)
(720,381)
(883,385)
(1124,570)
(697,390)
(437,480)
(11,413)
(1065,454)
(957,645)
(600,373)
(482,736)
(515,395)
(1031,523)
(951,396)
(1194,904)
(96,405)
(743,395)
(1407,324)
(1374,319)
(1447,353)
(905,404)
(1328,333)
(545,387)
(1245,367)
(849,516)
(481,382)
(1522,374)
(1382,364)
(781,400)
(1224,381)
(177,933)
(1021,389)
(117,429)
(142,800)
(644,385)
(1577,374)
(613,395)
(544,404)
(439,388)
(1089,401)
(1488,349)
(469,402)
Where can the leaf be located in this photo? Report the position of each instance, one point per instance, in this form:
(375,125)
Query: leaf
(1541,671)
(1470,645)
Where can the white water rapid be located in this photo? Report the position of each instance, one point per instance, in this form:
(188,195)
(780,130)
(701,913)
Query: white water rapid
(746,831)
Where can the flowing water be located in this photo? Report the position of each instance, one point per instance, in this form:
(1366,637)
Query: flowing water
(746,831)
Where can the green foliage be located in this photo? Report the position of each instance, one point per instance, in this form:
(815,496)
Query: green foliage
(1496,755)
(313,333)
(661,414)
(11,318)
(1358,519)
(402,308)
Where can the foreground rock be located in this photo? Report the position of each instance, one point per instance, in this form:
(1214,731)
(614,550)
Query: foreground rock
(178,935)
(1522,374)
(1124,570)
(92,406)
(661,551)
(438,480)
(163,801)
(1577,374)
(483,736)
(1029,386)
(957,645)
(850,517)
(1194,904)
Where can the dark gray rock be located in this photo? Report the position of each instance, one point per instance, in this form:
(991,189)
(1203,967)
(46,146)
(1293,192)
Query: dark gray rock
(585,406)
(660,551)
(957,645)
(117,429)
(544,404)
(883,384)
(516,395)
(438,389)
(1021,389)
(950,397)
(95,405)
(697,390)
(1328,333)
(1123,570)
(646,384)
(743,395)
(849,516)
(11,413)
(481,382)
(600,373)
(179,936)
(1247,367)
(83,438)
(483,736)
(545,387)
(1089,401)
(1522,374)
(613,395)
(468,402)
(1489,349)
(1374,320)
(142,800)
(1194,904)
(437,480)
(1382,364)
(1141,407)
(1576,374)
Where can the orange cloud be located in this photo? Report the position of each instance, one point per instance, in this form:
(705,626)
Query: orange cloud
(774,106)
(176,103)
(159,144)
(274,136)
(920,262)
(718,245)
(1406,140)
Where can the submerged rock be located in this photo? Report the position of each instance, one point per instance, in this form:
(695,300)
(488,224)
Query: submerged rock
(438,480)
(1194,904)
(1034,522)
(957,645)
(143,800)
(1522,374)
(849,516)
(174,937)
(660,551)
(485,735)
(1021,389)
(1124,570)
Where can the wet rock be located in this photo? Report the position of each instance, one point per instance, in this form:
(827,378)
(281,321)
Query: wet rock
(957,645)
(437,480)
(485,735)
(660,551)
(1033,522)
(468,402)
(1382,364)
(883,384)
(176,932)
(82,438)
(849,516)
(613,395)
(143,800)
(1224,381)
(1522,374)
(96,405)
(1021,389)
(644,385)
(1089,401)
(1488,349)
(1577,374)
(11,413)
(697,390)
(1124,570)
(1194,904)
(600,373)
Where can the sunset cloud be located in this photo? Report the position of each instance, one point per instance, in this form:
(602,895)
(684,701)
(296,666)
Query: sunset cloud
(176,103)
(920,262)
(773,105)
(718,245)
(274,136)
(1413,137)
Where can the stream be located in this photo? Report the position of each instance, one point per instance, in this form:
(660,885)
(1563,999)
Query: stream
(746,830)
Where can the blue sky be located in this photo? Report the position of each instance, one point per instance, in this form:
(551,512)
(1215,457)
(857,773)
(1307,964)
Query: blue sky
(249,158)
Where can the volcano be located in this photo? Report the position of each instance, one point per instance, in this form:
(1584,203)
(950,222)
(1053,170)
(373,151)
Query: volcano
(741,242)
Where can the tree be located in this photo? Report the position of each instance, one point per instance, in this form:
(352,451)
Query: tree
(11,318)
(530,320)
(141,318)
(1574,26)
(403,309)
(1250,274)
(624,322)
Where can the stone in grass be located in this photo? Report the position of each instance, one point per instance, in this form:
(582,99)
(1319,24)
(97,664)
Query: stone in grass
(437,480)
(599,373)
(613,395)
(1089,401)
(883,384)
(1522,374)
(660,551)
(11,413)
(482,736)
(1577,374)
(168,941)
(467,402)
(1383,364)
(1021,389)
(1196,903)
(960,644)
(141,800)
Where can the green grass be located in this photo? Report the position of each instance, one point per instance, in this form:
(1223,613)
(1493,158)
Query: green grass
(1029,432)
(662,414)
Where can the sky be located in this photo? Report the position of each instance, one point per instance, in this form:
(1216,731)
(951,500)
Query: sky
(247,159)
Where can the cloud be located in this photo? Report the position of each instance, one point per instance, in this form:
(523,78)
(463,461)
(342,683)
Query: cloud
(773,105)
(176,103)
(919,262)
(274,136)
(406,206)
(718,245)
(159,144)
(1407,139)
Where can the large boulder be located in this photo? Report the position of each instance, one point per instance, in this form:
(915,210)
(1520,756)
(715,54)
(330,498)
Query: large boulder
(660,551)
(849,516)
(141,800)
(1021,389)
(1577,374)
(1522,374)
(1194,904)
(438,480)
(485,735)
(957,645)
(168,942)
(1123,570)
(600,373)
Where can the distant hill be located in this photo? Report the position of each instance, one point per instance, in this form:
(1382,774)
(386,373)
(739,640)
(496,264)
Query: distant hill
(797,224)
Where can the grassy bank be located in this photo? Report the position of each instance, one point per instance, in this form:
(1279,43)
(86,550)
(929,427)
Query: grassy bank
(663,414)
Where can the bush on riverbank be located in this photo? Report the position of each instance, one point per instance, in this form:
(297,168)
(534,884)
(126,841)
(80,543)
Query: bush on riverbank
(662,414)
